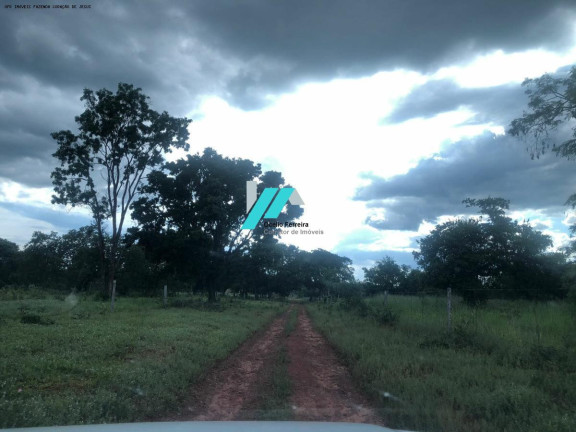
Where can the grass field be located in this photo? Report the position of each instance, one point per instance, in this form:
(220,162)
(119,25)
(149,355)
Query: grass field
(509,366)
(71,361)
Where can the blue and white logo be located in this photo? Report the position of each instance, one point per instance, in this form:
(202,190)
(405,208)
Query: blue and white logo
(272,199)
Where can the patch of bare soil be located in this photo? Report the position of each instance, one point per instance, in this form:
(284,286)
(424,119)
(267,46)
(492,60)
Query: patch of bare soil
(322,387)
(231,385)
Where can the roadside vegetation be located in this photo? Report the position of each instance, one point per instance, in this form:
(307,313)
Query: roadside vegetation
(68,360)
(507,366)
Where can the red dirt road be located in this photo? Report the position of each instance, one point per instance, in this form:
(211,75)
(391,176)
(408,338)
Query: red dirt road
(231,385)
(322,388)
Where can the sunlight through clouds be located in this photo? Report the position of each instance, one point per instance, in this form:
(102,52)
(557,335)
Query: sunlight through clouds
(324,135)
(499,68)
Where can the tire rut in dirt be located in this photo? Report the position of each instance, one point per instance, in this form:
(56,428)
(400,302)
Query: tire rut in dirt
(229,387)
(322,387)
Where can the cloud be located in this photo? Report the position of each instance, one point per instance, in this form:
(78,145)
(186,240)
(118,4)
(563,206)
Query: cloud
(492,104)
(245,53)
(318,40)
(487,165)
(60,221)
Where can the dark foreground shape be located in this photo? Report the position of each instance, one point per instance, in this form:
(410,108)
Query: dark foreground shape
(214,426)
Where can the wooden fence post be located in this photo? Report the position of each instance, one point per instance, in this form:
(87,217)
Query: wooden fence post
(113,295)
(385,298)
(165,295)
(449,307)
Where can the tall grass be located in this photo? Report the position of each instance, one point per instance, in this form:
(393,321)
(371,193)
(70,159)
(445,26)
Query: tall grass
(73,362)
(507,366)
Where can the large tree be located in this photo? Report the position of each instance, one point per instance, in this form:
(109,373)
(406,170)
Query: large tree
(201,200)
(319,270)
(385,275)
(120,138)
(453,255)
(490,256)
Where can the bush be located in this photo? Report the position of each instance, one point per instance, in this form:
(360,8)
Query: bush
(381,313)
(19,292)
(355,304)
(546,357)
(196,303)
(35,319)
(460,338)
(384,315)
(100,295)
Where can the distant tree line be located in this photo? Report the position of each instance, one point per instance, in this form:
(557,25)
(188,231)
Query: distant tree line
(488,256)
(268,268)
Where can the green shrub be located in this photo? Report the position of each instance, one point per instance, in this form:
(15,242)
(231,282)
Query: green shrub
(355,304)
(36,319)
(379,312)
(196,303)
(384,315)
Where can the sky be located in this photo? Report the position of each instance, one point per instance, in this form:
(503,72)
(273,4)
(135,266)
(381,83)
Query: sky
(383,114)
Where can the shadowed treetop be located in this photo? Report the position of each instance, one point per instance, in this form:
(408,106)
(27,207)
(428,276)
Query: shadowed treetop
(552,104)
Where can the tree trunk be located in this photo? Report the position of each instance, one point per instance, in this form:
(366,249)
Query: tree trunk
(111,275)
(106,286)
(112,263)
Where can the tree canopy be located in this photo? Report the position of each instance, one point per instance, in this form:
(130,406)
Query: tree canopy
(102,166)
(552,106)
(199,203)
(493,256)
(385,275)
(552,103)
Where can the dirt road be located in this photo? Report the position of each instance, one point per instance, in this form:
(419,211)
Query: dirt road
(321,386)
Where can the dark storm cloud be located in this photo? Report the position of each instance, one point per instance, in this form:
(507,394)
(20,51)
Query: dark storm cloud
(48,57)
(274,45)
(321,40)
(484,166)
(33,172)
(27,118)
(62,221)
(178,51)
(154,45)
(498,104)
